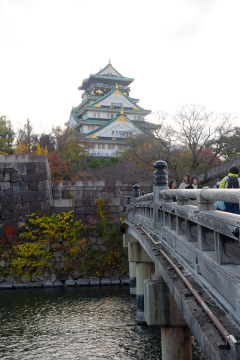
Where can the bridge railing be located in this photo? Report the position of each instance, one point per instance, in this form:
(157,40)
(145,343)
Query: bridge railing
(206,238)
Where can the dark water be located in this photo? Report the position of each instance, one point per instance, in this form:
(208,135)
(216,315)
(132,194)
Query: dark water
(75,323)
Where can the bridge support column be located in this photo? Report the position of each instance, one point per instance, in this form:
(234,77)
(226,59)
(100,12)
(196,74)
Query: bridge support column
(161,309)
(143,262)
(132,264)
(142,273)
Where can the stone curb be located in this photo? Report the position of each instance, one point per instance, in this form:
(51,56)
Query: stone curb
(92,281)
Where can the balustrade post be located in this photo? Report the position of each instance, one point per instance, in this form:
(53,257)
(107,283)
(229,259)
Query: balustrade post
(136,194)
(132,264)
(160,183)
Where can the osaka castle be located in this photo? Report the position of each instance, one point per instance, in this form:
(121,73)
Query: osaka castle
(107,114)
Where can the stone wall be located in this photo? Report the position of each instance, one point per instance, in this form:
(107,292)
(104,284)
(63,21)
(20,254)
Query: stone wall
(85,194)
(25,186)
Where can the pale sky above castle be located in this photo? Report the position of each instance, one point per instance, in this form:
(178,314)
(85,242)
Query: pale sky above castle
(178,52)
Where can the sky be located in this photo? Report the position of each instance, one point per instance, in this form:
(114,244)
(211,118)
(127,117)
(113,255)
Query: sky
(178,51)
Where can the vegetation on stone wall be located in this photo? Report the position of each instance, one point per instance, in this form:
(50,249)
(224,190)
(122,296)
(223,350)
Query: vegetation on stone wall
(35,247)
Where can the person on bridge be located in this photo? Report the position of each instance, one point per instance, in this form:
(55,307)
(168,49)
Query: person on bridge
(173,185)
(194,183)
(186,181)
(231,181)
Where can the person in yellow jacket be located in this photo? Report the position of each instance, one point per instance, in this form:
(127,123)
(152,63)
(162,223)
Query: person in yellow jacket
(231,181)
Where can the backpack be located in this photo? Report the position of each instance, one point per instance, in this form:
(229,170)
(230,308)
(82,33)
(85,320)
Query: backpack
(232,183)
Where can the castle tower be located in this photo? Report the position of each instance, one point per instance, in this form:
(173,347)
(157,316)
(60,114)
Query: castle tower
(107,114)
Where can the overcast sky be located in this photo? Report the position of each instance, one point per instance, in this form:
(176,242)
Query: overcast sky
(178,52)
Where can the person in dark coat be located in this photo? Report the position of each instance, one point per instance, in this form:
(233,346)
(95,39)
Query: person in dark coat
(194,183)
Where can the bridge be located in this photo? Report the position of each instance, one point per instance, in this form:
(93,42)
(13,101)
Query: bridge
(184,267)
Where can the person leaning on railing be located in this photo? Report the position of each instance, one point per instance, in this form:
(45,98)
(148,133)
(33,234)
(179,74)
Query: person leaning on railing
(186,181)
(173,185)
(231,181)
(194,183)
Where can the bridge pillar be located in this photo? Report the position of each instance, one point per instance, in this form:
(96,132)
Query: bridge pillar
(142,273)
(132,264)
(143,262)
(161,309)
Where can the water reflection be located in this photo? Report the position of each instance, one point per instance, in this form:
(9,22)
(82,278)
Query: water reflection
(75,323)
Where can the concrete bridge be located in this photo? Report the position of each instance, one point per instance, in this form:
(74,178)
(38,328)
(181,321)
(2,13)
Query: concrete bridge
(184,264)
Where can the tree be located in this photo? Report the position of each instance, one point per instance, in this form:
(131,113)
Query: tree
(27,136)
(6,135)
(49,141)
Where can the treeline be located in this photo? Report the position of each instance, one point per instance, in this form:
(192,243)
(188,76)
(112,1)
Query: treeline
(190,140)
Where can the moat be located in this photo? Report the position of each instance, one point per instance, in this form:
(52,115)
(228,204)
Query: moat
(75,323)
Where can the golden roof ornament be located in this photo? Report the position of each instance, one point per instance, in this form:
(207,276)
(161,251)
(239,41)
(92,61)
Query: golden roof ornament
(122,112)
(116,86)
(109,62)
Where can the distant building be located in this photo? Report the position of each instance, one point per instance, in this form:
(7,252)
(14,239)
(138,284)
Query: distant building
(107,114)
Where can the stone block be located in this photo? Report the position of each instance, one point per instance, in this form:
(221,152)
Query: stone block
(53,277)
(20,167)
(2,193)
(66,244)
(45,204)
(62,209)
(31,166)
(17,285)
(85,210)
(92,240)
(7,177)
(39,284)
(41,167)
(4,185)
(30,196)
(63,203)
(16,189)
(57,283)
(106,281)
(48,283)
(62,276)
(24,187)
(33,186)
(115,281)
(34,206)
(82,218)
(18,206)
(82,282)
(70,282)
(124,280)
(94,281)
(58,254)
(17,198)
(6,200)
(16,177)
(44,185)
(56,247)
(84,202)
(36,177)
(7,285)
(1,177)
(29,285)
(7,192)
(16,214)
(6,215)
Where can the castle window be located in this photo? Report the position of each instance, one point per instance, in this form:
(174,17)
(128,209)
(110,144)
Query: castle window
(108,116)
(112,132)
(111,146)
(98,115)
(94,115)
(112,116)
(103,146)
(139,117)
(99,146)
(116,132)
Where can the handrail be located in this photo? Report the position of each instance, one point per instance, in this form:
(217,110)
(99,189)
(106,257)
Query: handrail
(211,195)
